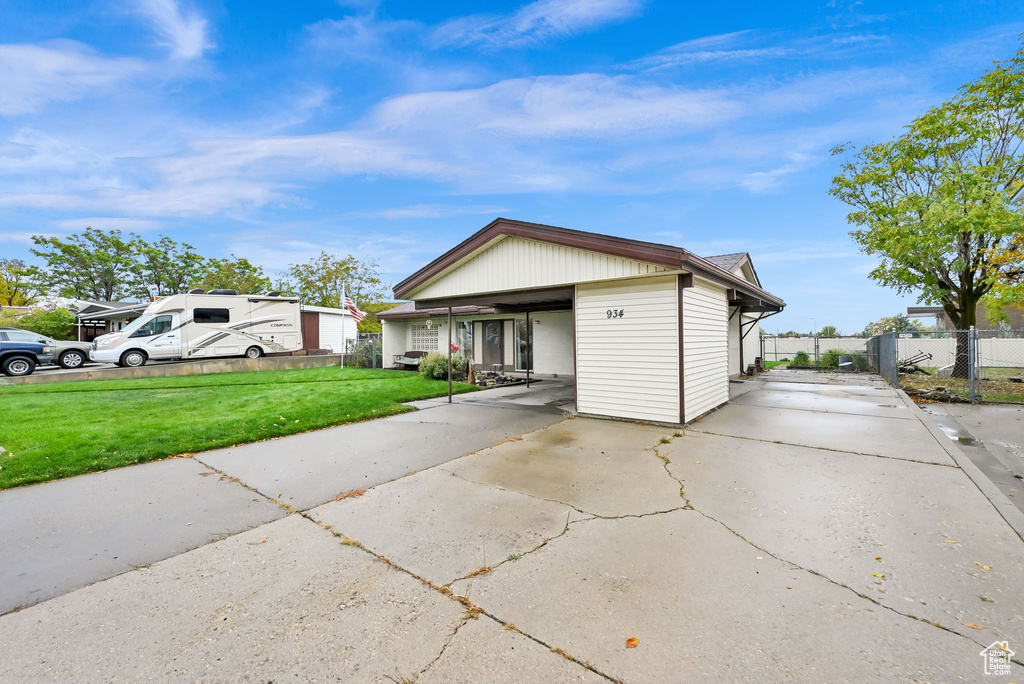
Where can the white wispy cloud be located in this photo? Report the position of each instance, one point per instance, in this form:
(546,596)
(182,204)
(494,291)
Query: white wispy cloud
(583,105)
(723,47)
(34,75)
(135,225)
(418,211)
(183,31)
(534,23)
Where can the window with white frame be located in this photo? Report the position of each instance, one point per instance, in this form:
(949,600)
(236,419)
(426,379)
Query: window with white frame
(424,338)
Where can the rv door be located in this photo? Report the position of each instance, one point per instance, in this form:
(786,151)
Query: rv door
(160,337)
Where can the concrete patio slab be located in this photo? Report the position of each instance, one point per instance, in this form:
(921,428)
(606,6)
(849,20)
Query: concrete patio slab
(312,468)
(62,535)
(608,481)
(827,402)
(845,516)
(484,651)
(442,527)
(892,437)
(283,602)
(707,606)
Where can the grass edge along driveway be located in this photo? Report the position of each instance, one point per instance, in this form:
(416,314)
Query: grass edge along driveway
(59,430)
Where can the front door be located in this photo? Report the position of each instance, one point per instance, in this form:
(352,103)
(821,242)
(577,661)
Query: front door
(494,343)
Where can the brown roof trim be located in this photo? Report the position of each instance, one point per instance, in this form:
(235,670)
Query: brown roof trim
(649,252)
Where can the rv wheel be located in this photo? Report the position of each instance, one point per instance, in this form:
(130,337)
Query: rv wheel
(133,359)
(253,353)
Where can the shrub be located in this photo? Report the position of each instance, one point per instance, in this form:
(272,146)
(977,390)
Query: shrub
(435,365)
(363,354)
(830,359)
(59,323)
(802,358)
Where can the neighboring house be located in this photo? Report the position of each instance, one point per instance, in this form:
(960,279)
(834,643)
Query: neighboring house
(97,318)
(991,328)
(648,331)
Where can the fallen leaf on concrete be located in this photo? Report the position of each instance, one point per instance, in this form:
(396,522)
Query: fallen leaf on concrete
(632,642)
(950,541)
(974,626)
(878,558)
(760,557)
(789,586)
(205,474)
(257,543)
(878,574)
(983,567)
(350,495)
(187,524)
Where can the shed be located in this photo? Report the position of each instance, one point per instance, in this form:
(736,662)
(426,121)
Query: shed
(328,328)
(647,331)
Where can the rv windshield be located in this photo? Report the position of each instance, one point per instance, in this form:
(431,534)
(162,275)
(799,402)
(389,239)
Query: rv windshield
(135,325)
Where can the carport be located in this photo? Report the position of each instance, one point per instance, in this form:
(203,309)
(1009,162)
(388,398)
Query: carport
(644,328)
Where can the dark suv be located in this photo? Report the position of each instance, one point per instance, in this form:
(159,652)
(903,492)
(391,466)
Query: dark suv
(20,358)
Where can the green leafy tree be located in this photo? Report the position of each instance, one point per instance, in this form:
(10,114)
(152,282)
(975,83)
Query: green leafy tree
(165,267)
(236,273)
(828,331)
(370,323)
(94,264)
(320,281)
(59,323)
(19,283)
(935,203)
(897,323)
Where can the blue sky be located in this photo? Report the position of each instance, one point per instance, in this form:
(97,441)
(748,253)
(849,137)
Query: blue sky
(394,130)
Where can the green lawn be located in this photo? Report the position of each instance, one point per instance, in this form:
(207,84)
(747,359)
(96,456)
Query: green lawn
(62,429)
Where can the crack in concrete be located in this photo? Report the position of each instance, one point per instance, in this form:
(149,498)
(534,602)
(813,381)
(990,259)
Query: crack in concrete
(510,489)
(821,448)
(224,477)
(447,643)
(793,564)
(463,600)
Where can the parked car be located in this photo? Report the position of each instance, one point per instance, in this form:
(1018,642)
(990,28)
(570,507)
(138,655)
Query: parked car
(66,354)
(21,358)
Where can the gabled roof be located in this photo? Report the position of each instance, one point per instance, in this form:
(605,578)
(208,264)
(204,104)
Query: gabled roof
(649,252)
(728,261)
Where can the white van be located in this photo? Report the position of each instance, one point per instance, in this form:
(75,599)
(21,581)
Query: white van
(202,325)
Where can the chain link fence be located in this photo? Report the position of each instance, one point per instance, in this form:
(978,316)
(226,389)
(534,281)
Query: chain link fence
(955,365)
(819,353)
(366,351)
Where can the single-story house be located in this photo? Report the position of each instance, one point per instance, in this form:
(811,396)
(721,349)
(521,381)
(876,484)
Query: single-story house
(97,318)
(647,331)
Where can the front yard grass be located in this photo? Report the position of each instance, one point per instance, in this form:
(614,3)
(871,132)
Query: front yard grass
(62,429)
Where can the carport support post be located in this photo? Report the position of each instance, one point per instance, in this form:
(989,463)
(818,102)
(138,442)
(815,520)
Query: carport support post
(449,354)
(529,350)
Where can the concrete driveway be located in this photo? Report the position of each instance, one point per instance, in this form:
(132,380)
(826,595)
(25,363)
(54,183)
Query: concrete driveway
(814,530)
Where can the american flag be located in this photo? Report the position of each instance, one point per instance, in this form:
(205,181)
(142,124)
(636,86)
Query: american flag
(351,306)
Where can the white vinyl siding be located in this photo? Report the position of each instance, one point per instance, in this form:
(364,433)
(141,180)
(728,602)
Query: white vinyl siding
(515,263)
(552,343)
(335,329)
(628,367)
(705,348)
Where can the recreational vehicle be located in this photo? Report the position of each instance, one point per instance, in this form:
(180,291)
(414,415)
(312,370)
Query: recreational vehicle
(202,325)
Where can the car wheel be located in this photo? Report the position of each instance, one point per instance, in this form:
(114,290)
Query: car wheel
(18,365)
(133,359)
(73,359)
(253,353)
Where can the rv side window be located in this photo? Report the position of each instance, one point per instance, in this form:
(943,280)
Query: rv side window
(211,315)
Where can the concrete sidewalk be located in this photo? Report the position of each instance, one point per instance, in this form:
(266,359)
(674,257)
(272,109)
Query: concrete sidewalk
(754,546)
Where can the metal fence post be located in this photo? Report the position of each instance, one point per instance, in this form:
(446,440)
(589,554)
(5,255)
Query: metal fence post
(815,350)
(972,363)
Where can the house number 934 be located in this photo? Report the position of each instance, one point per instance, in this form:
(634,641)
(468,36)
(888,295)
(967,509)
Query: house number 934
(615,313)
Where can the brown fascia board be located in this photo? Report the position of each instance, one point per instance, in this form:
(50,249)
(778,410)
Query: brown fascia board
(427,313)
(649,252)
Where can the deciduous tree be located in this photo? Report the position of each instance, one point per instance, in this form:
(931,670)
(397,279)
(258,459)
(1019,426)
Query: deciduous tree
(935,203)
(320,281)
(19,285)
(93,264)
(236,273)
